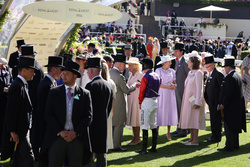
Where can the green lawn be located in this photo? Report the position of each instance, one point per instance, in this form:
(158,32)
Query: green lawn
(173,153)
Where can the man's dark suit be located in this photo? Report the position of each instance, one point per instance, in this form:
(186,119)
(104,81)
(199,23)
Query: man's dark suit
(55,117)
(136,46)
(33,84)
(231,97)
(143,50)
(13,61)
(5,81)
(17,120)
(187,47)
(234,51)
(157,60)
(39,119)
(193,47)
(211,96)
(101,109)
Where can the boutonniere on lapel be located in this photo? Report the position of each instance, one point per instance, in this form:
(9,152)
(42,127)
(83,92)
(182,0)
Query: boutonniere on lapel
(77,96)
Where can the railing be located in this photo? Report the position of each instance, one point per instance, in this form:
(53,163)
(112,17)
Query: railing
(116,35)
(139,27)
(171,36)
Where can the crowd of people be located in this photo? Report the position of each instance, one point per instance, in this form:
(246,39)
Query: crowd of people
(77,111)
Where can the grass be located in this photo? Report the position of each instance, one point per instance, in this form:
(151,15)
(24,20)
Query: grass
(173,153)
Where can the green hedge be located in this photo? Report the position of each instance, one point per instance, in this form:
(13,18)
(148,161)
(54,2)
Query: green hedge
(212,2)
(244,54)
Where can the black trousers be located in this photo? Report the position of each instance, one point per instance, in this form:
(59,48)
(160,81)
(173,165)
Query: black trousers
(216,125)
(24,153)
(232,138)
(101,159)
(60,151)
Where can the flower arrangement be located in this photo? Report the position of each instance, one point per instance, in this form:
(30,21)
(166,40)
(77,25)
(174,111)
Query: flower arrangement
(131,14)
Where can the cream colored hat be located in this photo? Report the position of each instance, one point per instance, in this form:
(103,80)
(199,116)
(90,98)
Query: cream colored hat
(133,60)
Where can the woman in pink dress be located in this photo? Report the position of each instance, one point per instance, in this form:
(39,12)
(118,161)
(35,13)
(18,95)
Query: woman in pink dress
(167,109)
(192,114)
(134,112)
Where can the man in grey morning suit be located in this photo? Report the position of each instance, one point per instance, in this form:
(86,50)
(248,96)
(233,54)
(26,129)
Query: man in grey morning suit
(119,111)
(182,70)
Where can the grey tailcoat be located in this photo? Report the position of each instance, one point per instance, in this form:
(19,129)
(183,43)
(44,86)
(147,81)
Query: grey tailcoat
(120,105)
(181,75)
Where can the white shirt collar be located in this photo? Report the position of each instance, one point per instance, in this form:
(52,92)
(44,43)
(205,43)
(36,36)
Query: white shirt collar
(19,53)
(51,78)
(72,88)
(230,72)
(22,78)
(116,68)
(95,77)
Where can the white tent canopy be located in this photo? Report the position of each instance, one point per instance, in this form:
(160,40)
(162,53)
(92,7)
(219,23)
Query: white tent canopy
(211,8)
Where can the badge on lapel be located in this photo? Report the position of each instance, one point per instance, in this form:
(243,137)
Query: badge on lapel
(76,97)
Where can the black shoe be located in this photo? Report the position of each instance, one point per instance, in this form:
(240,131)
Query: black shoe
(181,134)
(225,149)
(212,140)
(120,149)
(142,151)
(175,132)
(152,150)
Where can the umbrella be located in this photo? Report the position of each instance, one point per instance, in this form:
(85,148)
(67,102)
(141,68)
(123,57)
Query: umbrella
(212,8)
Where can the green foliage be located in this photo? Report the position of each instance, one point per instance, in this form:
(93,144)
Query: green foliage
(3,18)
(204,25)
(244,54)
(73,37)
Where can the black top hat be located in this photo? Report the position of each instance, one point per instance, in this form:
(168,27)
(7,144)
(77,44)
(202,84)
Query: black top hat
(26,62)
(120,58)
(229,61)
(20,42)
(55,61)
(28,50)
(73,67)
(164,44)
(128,47)
(67,57)
(129,40)
(91,45)
(136,37)
(94,62)
(209,59)
(148,62)
(179,46)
